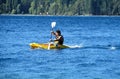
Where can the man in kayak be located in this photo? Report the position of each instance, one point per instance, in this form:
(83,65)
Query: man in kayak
(59,38)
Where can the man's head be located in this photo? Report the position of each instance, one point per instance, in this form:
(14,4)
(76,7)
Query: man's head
(58,32)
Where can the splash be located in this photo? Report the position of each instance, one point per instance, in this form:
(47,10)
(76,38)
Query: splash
(109,47)
(76,46)
(113,48)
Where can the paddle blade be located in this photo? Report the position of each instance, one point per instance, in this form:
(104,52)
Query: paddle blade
(53,24)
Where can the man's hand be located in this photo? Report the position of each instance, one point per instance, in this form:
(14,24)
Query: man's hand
(53,32)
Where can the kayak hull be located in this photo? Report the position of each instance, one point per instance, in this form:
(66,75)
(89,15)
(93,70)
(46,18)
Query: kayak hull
(47,46)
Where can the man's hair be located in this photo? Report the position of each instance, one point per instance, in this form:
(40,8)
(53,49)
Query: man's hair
(59,32)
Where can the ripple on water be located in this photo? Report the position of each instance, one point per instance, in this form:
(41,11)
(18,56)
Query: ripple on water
(86,64)
(104,60)
(5,59)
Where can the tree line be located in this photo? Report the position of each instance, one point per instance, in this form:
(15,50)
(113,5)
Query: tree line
(60,7)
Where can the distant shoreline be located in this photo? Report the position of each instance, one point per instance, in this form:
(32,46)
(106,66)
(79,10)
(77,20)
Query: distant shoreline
(56,15)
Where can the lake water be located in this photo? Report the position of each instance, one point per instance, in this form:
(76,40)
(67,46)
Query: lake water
(94,52)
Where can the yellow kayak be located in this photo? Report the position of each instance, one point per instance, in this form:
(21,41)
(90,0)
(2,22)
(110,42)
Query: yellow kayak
(47,46)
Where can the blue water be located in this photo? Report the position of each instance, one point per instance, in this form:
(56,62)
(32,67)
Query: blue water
(94,52)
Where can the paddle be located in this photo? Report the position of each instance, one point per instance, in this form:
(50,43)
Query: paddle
(53,24)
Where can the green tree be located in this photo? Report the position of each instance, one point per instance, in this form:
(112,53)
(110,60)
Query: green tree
(18,9)
(54,7)
(32,9)
(8,6)
(116,6)
(61,7)
(13,11)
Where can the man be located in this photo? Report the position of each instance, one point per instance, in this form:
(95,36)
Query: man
(59,38)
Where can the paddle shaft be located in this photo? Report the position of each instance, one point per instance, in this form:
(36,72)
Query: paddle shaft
(51,34)
(53,25)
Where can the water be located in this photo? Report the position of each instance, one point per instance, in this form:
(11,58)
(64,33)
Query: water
(94,52)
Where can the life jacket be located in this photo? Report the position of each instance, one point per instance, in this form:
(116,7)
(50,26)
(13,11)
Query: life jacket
(60,39)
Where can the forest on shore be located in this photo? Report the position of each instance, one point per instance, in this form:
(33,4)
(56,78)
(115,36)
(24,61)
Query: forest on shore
(60,7)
